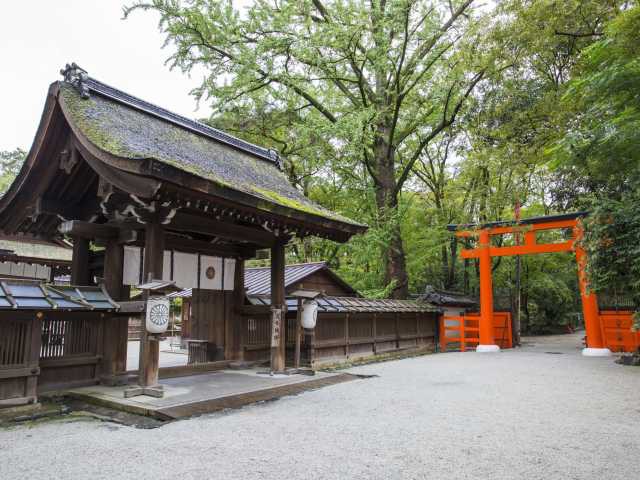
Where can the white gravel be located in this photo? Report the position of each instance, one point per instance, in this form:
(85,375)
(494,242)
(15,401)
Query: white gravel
(517,414)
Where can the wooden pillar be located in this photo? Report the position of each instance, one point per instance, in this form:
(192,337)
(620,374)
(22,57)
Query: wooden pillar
(487,342)
(33,359)
(374,332)
(149,345)
(153,251)
(278,308)
(233,318)
(114,362)
(590,311)
(310,344)
(296,357)
(80,262)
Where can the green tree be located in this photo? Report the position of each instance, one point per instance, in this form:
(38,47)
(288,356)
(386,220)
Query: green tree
(602,142)
(381,80)
(603,103)
(10,163)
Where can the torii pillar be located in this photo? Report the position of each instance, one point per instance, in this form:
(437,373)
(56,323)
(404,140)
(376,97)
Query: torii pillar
(487,342)
(590,311)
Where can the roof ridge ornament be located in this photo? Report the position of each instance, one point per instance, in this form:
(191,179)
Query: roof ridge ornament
(75,75)
(277,159)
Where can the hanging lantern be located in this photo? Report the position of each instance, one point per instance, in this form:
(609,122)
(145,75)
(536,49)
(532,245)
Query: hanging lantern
(309,314)
(157,319)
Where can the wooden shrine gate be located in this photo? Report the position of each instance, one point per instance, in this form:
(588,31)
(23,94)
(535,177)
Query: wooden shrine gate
(463,331)
(534,242)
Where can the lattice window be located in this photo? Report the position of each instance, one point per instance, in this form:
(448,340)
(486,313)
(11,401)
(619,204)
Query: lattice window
(66,337)
(15,336)
(258,331)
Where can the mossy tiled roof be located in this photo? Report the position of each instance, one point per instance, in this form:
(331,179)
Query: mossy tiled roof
(123,126)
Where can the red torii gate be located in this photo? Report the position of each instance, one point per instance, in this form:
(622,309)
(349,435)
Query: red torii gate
(529,229)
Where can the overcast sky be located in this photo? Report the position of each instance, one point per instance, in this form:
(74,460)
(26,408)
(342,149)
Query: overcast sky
(37,38)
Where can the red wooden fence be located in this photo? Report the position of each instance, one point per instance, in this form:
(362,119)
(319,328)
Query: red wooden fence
(616,331)
(462,330)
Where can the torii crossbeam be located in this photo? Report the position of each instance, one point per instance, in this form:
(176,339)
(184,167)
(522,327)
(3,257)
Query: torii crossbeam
(529,229)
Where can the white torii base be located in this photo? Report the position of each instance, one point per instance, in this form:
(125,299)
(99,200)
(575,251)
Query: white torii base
(487,348)
(596,352)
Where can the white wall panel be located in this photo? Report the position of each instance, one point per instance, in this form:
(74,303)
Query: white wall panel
(214,265)
(166,265)
(43,272)
(229,273)
(185,269)
(131,270)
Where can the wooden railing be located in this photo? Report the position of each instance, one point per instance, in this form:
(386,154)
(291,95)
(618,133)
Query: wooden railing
(19,349)
(461,332)
(617,332)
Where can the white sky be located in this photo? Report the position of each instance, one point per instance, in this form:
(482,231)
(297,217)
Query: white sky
(38,37)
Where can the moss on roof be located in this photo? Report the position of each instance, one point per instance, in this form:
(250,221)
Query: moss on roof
(127,132)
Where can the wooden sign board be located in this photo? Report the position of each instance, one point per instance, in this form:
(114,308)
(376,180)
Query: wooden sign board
(276,320)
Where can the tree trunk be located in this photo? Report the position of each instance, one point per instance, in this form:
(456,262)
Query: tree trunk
(387,203)
(451,277)
(444,259)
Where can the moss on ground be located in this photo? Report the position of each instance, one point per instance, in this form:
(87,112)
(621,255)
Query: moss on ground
(382,357)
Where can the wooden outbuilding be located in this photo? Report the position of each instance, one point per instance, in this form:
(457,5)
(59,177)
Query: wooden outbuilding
(164,197)
(35,260)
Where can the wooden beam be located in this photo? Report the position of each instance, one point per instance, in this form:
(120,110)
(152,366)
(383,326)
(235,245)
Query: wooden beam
(188,222)
(78,228)
(521,228)
(48,206)
(181,244)
(521,250)
(187,245)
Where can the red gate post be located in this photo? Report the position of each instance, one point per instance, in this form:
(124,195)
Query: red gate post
(595,343)
(487,342)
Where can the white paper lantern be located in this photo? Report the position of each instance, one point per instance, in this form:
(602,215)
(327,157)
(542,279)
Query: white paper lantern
(157,319)
(309,314)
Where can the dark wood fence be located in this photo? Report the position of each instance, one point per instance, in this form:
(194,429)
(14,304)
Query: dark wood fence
(364,334)
(19,352)
(71,349)
(340,336)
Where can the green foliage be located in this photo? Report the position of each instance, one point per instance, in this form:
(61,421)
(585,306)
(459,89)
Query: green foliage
(602,142)
(365,87)
(549,292)
(10,164)
(603,99)
(410,115)
(612,243)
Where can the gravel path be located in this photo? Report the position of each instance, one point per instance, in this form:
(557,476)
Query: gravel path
(518,414)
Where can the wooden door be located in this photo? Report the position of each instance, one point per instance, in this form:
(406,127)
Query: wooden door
(207,320)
